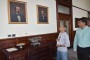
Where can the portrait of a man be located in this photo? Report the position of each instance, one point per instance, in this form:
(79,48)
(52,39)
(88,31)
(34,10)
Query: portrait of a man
(76,21)
(88,22)
(17,12)
(42,14)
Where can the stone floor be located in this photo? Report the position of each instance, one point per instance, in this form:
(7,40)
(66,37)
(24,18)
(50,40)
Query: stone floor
(72,55)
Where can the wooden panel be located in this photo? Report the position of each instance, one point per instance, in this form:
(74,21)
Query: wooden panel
(64,16)
(72,38)
(11,42)
(47,49)
(7,43)
(1,55)
(65,2)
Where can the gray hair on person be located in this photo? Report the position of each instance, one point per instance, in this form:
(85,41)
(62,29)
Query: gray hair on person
(64,26)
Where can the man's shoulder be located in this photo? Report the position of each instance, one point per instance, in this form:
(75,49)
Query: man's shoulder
(78,29)
(65,34)
(88,28)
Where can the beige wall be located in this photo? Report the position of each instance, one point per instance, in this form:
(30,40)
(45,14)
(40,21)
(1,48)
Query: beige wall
(32,28)
(78,13)
(84,4)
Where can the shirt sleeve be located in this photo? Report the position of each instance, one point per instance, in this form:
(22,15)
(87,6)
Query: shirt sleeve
(75,42)
(67,41)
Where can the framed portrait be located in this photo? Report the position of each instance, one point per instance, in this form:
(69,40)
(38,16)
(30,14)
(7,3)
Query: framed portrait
(88,14)
(76,23)
(42,14)
(17,12)
(78,13)
(88,22)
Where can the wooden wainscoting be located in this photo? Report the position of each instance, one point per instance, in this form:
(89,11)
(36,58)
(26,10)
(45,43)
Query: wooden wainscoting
(11,42)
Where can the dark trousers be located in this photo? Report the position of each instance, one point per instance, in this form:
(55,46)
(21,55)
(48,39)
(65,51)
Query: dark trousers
(83,53)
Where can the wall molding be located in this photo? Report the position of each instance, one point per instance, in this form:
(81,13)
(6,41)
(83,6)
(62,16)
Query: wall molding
(28,36)
(80,8)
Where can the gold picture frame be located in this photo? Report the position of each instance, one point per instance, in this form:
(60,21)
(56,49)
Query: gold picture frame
(17,12)
(42,14)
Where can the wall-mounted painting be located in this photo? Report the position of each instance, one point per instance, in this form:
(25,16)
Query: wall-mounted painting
(88,14)
(42,14)
(88,22)
(76,23)
(78,13)
(17,12)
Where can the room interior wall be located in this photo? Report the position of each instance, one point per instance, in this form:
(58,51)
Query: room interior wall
(31,28)
(78,13)
(84,6)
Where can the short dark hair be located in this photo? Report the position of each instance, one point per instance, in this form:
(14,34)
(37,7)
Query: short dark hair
(83,19)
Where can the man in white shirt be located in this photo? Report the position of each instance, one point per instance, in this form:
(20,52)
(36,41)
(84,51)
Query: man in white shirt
(62,44)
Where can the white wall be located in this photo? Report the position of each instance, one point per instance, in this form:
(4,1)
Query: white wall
(32,28)
(84,4)
(78,13)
